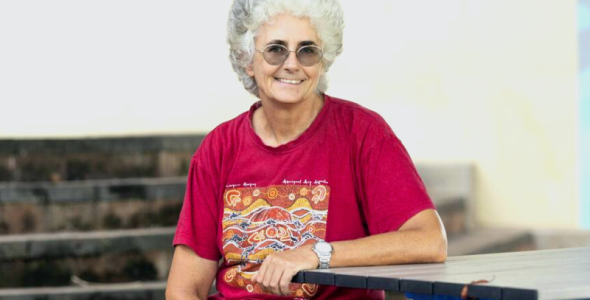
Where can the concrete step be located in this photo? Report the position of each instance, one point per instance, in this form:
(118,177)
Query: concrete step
(96,158)
(90,204)
(491,240)
(82,244)
(33,260)
(139,202)
(453,213)
(121,291)
(451,183)
(19,218)
(81,191)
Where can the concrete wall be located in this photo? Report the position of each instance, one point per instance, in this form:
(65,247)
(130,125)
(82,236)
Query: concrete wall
(490,82)
(493,82)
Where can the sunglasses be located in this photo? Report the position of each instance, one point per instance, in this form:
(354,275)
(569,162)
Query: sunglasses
(276,54)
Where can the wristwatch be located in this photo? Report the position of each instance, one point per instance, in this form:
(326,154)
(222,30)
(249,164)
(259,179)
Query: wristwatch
(324,251)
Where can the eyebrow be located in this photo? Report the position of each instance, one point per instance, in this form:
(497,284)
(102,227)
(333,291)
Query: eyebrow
(281,42)
(307,43)
(277,42)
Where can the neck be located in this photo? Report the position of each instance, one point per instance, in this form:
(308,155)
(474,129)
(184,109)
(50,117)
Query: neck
(278,123)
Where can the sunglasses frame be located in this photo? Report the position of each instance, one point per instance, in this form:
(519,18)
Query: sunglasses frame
(289,53)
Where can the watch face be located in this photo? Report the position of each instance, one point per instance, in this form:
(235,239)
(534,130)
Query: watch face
(323,247)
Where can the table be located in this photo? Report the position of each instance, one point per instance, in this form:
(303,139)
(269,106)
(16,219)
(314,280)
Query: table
(527,275)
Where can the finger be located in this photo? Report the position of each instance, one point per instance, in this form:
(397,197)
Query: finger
(269,281)
(272,274)
(275,281)
(284,285)
(257,278)
(286,281)
(288,271)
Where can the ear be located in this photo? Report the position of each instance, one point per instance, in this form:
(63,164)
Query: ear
(250,70)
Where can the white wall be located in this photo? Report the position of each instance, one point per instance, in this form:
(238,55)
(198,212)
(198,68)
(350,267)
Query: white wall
(88,68)
(490,82)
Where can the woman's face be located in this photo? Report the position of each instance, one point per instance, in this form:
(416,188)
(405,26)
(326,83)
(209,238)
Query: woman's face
(289,82)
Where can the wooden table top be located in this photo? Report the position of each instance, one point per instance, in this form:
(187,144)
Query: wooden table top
(528,275)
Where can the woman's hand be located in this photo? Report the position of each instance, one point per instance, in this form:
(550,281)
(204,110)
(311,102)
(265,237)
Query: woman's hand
(278,269)
(422,239)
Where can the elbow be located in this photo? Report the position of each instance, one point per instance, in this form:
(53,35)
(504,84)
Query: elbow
(171,295)
(437,254)
(440,254)
(440,248)
(175,294)
(435,247)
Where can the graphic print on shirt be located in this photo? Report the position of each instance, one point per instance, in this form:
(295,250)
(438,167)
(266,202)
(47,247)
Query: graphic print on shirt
(258,221)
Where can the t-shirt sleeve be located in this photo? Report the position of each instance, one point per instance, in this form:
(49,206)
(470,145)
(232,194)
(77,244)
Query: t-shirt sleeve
(392,191)
(198,221)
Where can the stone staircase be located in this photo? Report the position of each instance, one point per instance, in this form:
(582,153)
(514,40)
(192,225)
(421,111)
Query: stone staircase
(451,189)
(94,219)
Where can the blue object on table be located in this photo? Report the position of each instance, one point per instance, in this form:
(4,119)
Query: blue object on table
(415,296)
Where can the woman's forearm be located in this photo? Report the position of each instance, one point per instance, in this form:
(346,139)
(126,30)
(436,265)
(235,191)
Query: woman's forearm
(400,247)
(423,241)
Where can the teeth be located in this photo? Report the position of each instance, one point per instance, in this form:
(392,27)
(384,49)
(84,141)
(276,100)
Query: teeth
(289,81)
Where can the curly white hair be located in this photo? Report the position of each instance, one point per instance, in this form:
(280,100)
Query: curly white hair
(246,17)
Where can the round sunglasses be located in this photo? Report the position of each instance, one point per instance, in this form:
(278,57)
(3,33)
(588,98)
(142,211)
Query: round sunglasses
(276,54)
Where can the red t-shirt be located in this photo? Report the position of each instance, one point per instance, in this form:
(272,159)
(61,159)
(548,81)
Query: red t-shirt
(346,177)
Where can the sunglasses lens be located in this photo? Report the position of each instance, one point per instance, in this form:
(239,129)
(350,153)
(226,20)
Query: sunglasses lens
(309,55)
(275,54)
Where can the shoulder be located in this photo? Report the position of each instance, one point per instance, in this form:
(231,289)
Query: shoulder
(221,142)
(360,115)
(363,124)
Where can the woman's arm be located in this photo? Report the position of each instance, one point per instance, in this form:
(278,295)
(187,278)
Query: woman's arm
(421,239)
(190,275)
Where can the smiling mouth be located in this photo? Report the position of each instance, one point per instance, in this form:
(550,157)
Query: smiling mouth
(289,81)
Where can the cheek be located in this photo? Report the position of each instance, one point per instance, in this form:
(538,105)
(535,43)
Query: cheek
(316,74)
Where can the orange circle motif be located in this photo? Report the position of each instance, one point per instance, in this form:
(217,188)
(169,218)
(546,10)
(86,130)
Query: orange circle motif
(271,232)
(303,191)
(247,200)
(256,193)
(291,196)
(250,288)
(273,193)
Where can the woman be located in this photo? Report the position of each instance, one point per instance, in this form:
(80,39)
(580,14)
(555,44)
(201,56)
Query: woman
(300,181)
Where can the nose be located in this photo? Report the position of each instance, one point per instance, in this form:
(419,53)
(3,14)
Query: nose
(292,63)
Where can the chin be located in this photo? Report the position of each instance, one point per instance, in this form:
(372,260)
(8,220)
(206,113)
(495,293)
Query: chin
(288,98)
